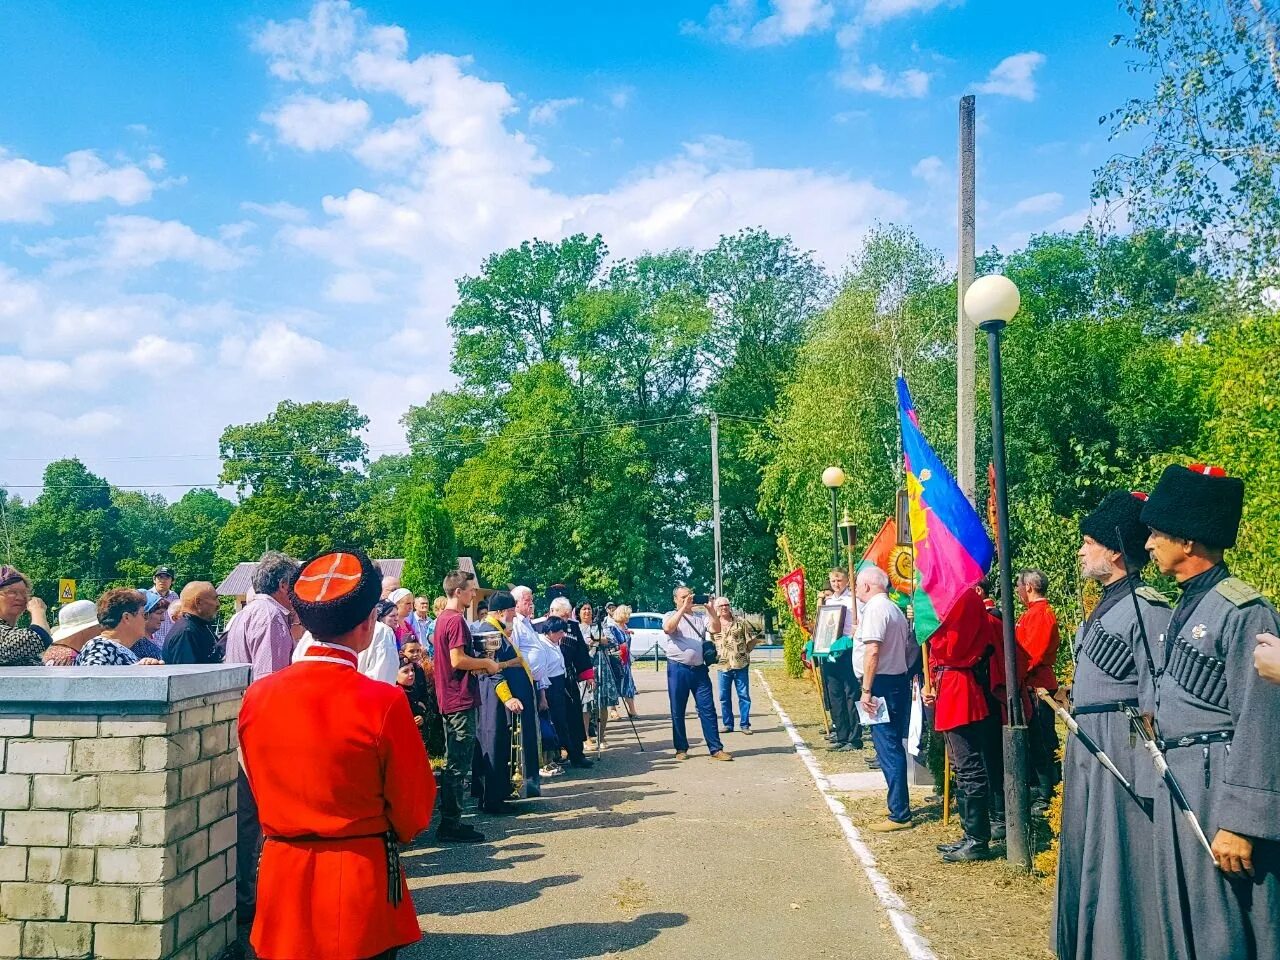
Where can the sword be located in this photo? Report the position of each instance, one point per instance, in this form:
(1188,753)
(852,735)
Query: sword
(1091,745)
(1144,732)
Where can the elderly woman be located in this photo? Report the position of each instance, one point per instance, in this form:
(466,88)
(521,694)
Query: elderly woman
(120,612)
(77,623)
(156,613)
(622,637)
(21,646)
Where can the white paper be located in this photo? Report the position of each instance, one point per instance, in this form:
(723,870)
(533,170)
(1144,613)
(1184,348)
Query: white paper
(916,727)
(881,714)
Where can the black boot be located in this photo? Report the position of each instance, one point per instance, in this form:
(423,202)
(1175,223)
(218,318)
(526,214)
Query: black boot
(955,844)
(997,829)
(977,831)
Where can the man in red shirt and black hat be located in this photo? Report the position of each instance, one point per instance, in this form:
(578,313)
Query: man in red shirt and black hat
(340,776)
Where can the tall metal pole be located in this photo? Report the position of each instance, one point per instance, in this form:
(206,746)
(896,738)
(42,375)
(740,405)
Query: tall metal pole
(715,496)
(966,455)
(1017,808)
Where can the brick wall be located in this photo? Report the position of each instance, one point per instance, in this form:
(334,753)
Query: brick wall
(118,831)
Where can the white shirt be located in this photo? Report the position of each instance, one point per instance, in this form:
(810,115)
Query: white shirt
(533,647)
(378,661)
(685,645)
(884,623)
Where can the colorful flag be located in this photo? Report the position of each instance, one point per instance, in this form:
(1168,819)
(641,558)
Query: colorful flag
(793,589)
(893,559)
(952,550)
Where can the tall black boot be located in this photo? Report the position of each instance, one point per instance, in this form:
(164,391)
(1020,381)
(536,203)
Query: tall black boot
(977,832)
(961,800)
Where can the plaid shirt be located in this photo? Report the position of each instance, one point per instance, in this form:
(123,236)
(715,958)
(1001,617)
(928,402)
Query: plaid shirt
(734,643)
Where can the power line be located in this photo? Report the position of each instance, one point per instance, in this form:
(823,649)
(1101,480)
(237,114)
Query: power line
(410,448)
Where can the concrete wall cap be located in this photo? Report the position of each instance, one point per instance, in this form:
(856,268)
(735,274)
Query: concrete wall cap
(58,687)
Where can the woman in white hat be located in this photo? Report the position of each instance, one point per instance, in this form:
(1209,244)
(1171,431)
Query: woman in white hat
(77,623)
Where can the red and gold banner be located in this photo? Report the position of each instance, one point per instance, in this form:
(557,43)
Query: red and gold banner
(793,589)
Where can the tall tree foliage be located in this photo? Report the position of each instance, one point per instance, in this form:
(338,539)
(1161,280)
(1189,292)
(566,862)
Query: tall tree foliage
(1209,161)
(430,549)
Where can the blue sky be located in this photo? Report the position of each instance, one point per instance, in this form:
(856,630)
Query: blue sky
(211,207)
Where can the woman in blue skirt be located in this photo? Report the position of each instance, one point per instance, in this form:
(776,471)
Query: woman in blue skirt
(622,637)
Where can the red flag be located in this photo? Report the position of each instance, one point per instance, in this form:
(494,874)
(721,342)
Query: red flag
(894,560)
(793,589)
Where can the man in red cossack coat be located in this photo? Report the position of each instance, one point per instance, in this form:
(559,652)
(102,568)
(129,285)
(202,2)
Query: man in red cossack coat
(340,776)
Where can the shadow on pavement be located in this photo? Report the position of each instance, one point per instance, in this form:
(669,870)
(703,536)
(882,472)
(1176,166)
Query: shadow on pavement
(459,899)
(567,941)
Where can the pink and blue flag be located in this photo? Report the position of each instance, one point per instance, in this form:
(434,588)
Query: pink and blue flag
(952,549)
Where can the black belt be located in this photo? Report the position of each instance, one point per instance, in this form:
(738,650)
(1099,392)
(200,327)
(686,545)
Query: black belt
(394,891)
(1114,706)
(1195,739)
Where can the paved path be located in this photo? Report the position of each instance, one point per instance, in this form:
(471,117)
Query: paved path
(650,857)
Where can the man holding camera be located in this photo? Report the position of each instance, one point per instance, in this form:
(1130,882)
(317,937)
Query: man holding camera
(687,673)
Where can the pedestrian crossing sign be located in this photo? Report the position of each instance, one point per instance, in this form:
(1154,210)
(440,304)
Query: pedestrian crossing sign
(66,591)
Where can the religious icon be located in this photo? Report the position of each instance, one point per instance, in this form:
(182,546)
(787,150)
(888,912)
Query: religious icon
(826,630)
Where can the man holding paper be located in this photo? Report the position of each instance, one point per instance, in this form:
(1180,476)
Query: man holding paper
(880,659)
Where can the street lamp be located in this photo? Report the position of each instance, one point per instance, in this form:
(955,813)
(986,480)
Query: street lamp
(833,480)
(991,302)
(849,536)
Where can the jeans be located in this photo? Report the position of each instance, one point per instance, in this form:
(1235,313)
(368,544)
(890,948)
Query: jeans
(682,681)
(887,738)
(459,745)
(739,680)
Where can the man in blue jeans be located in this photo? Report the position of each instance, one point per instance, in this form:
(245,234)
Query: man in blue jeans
(880,657)
(735,639)
(687,673)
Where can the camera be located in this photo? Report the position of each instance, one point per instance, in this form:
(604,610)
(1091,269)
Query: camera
(701,599)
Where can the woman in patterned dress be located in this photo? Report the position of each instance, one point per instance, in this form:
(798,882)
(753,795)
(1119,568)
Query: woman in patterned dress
(604,660)
(121,614)
(622,637)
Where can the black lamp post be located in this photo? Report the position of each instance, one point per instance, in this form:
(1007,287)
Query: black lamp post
(833,480)
(991,302)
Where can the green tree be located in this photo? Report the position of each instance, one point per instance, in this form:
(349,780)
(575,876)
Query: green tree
(298,477)
(430,547)
(1209,165)
(145,527)
(73,529)
(197,519)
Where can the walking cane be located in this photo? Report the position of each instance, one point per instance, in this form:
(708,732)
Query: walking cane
(633,729)
(1090,745)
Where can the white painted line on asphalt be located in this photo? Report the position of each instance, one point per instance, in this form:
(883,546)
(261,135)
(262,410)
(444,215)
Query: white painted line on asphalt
(904,924)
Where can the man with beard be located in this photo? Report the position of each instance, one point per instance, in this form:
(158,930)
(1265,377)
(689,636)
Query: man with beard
(501,696)
(1216,721)
(1103,849)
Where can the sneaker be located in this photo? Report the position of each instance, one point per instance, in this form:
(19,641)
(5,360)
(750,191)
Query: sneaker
(682,755)
(722,755)
(746,731)
(551,770)
(458,833)
(889,826)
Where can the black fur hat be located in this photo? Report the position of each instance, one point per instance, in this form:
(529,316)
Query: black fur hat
(1119,510)
(333,592)
(1197,503)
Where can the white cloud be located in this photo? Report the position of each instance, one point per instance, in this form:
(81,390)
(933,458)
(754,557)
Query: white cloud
(548,111)
(28,189)
(130,242)
(907,84)
(310,49)
(277,353)
(1013,76)
(931,170)
(880,11)
(739,21)
(313,123)
(280,210)
(1039,204)
(352,288)
(620,98)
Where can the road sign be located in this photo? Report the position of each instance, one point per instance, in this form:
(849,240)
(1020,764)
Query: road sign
(66,591)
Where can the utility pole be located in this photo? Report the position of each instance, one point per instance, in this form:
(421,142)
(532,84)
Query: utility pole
(715,495)
(966,454)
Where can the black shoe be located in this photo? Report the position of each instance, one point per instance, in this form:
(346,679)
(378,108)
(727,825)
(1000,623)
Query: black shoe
(873,764)
(856,744)
(997,830)
(841,748)
(458,833)
(953,845)
(582,763)
(968,851)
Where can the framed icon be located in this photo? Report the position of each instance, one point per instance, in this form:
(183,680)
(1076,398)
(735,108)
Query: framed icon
(826,629)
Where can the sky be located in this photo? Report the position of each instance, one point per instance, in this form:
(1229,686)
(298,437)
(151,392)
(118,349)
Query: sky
(207,208)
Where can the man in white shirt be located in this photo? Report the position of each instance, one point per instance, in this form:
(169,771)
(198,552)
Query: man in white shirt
(687,673)
(881,650)
(378,661)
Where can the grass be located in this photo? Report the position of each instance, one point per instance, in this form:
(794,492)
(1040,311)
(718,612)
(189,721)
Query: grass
(975,911)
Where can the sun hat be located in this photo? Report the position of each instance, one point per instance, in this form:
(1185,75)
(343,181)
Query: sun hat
(75,618)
